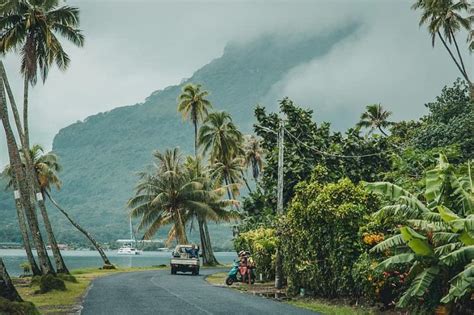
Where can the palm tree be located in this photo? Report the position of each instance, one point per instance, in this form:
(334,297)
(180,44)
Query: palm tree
(375,117)
(23,190)
(47,167)
(253,155)
(32,28)
(230,172)
(7,290)
(214,194)
(194,106)
(444,20)
(219,137)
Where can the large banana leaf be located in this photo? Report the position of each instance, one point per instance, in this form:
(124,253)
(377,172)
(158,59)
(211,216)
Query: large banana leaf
(417,242)
(390,242)
(461,284)
(462,255)
(419,286)
(397,259)
(436,179)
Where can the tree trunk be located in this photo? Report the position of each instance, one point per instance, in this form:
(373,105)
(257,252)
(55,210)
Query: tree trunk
(278,269)
(26,131)
(19,208)
(22,184)
(86,234)
(195,139)
(7,290)
(208,258)
(58,258)
(245,181)
(471,90)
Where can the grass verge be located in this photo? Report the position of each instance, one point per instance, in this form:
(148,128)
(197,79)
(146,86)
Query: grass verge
(67,302)
(267,289)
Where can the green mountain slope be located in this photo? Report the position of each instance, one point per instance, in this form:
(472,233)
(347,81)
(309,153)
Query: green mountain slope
(102,154)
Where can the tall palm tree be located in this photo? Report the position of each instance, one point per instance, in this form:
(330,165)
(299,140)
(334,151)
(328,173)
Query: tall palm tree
(219,137)
(7,290)
(444,19)
(32,28)
(213,198)
(253,155)
(194,106)
(47,167)
(375,117)
(23,190)
(230,172)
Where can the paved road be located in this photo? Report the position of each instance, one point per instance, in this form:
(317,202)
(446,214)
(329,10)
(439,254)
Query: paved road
(158,292)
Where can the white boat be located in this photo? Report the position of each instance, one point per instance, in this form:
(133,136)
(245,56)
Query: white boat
(128,247)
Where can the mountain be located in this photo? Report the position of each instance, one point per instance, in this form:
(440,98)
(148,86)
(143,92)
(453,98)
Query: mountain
(102,154)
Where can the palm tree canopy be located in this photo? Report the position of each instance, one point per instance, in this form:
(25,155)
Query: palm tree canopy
(443,16)
(375,117)
(193,104)
(32,27)
(220,137)
(170,194)
(46,166)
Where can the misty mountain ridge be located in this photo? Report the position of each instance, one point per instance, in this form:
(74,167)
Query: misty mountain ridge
(102,154)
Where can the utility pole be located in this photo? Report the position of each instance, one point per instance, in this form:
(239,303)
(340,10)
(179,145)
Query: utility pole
(278,256)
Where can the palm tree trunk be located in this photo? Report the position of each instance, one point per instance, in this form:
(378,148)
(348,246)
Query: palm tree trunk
(195,139)
(459,54)
(26,239)
(208,258)
(452,56)
(22,183)
(82,230)
(58,258)
(7,290)
(245,181)
(383,132)
(227,187)
(26,131)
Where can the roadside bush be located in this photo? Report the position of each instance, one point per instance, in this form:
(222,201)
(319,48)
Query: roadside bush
(320,237)
(50,282)
(17,308)
(261,244)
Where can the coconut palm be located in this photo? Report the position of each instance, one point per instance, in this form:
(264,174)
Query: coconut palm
(219,137)
(194,106)
(7,290)
(375,117)
(253,155)
(229,171)
(23,191)
(214,194)
(32,28)
(444,20)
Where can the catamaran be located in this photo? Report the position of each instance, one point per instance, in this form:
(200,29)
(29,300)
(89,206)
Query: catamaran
(129,246)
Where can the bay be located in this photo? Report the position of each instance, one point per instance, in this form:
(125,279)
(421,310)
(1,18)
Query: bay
(76,259)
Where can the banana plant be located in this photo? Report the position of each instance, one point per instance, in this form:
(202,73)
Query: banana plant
(439,236)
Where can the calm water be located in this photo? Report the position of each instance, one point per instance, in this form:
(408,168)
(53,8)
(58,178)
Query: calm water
(84,259)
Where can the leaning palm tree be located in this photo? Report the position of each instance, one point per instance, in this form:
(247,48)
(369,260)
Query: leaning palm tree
(253,155)
(194,106)
(7,289)
(32,28)
(47,167)
(444,19)
(375,117)
(230,173)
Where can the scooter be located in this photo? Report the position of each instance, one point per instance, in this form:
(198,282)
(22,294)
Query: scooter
(240,273)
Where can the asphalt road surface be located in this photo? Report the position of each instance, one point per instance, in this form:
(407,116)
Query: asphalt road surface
(159,292)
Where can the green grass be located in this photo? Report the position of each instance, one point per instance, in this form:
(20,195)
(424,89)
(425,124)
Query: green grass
(217,278)
(328,308)
(66,302)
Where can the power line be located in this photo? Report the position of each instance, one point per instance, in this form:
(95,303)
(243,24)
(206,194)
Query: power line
(335,155)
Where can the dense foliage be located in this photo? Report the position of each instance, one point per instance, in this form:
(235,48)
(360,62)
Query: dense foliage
(319,236)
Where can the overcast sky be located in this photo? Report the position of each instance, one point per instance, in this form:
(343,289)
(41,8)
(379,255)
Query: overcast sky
(134,47)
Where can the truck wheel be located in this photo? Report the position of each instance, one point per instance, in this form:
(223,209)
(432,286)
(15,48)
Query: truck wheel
(173,271)
(229,281)
(197,272)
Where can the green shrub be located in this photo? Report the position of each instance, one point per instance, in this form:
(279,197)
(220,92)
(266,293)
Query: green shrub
(17,308)
(261,243)
(50,282)
(66,277)
(319,237)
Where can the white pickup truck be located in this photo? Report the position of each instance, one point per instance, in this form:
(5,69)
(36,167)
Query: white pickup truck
(182,261)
